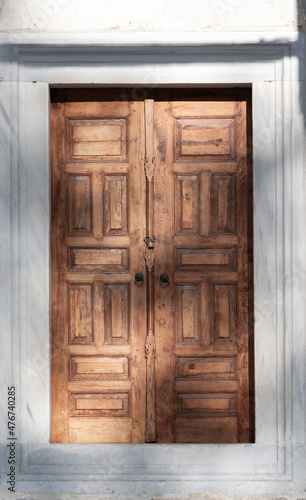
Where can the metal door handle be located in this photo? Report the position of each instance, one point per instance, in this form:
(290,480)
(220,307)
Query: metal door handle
(139,279)
(164,280)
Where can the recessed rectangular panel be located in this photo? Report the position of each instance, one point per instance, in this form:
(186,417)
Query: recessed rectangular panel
(105,148)
(187,313)
(206,430)
(206,404)
(223,200)
(186,204)
(224,313)
(101,368)
(216,367)
(205,203)
(98,368)
(79,208)
(199,404)
(190,312)
(100,429)
(80,300)
(103,139)
(101,133)
(116,315)
(190,385)
(99,404)
(206,138)
(188,212)
(91,385)
(115,204)
(206,259)
(97,259)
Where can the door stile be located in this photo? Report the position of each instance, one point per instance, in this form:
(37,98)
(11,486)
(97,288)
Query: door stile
(243,410)
(165,315)
(60,400)
(149,257)
(137,193)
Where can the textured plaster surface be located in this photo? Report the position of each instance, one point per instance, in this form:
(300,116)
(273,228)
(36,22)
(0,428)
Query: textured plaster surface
(140,15)
(39,17)
(204,496)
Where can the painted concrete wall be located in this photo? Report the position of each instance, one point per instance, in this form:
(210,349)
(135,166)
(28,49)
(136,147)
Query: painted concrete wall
(152,15)
(197,496)
(67,16)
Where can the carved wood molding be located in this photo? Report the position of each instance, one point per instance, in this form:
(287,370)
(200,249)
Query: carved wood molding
(149,258)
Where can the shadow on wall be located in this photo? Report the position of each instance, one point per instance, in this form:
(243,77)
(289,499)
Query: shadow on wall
(262,140)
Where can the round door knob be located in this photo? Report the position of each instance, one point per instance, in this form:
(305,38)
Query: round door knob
(138,279)
(164,280)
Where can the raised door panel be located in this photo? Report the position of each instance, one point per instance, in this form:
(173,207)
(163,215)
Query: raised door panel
(97,139)
(187,204)
(115,204)
(98,333)
(199,139)
(79,205)
(80,318)
(116,315)
(224,313)
(188,313)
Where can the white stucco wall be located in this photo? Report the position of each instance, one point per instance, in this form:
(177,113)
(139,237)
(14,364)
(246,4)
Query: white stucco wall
(148,15)
(66,21)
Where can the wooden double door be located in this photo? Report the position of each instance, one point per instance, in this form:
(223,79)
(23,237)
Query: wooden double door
(150,274)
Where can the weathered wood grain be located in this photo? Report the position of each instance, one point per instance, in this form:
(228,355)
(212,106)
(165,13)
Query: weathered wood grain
(97,238)
(151,363)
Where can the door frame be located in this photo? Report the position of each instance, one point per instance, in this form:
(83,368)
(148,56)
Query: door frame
(274,464)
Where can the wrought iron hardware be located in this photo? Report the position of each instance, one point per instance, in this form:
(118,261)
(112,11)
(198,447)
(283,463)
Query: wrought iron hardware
(164,280)
(149,240)
(139,279)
